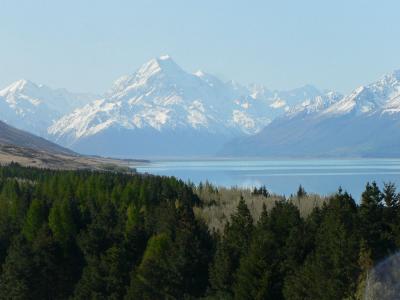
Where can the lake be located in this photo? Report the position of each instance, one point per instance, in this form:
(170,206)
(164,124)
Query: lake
(322,176)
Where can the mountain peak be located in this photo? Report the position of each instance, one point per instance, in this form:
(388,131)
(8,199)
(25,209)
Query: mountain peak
(18,86)
(387,84)
(163,63)
(20,83)
(165,57)
(391,77)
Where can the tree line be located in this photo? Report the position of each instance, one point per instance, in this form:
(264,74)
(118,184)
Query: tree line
(104,235)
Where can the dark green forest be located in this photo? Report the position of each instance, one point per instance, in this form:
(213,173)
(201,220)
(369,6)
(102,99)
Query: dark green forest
(104,235)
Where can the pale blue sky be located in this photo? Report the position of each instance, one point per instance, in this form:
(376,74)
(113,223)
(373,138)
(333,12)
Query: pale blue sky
(85,45)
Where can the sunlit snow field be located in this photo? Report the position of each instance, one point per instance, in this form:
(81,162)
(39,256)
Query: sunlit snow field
(322,176)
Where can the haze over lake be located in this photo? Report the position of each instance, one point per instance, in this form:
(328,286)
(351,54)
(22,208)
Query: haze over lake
(322,176)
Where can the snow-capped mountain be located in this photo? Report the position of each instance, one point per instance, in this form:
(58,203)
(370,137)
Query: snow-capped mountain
(364,123)
(373,98)
(163,110)
(314,105)
(35,107)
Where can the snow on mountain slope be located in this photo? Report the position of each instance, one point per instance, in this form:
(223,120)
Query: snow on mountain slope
(34,107)
(161,98)
(317,104)
(364,123)
(369,99)
(392,106)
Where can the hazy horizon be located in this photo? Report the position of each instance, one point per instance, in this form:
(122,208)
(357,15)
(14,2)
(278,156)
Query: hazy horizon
(84,47)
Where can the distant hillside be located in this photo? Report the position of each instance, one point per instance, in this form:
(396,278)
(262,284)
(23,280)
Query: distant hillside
(29,150)
(13,136)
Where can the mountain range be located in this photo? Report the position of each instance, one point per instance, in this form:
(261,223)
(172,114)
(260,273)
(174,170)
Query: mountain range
(365,123)
(34,107)
(162,110)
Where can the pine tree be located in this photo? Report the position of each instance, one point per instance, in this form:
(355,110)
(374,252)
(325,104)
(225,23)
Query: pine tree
(391,224)
(255,275)
(372,196)
(155,277)
(329,271)
(390,196)
(16,207)
(233,245)
(17,280)
(192,252)
(35,218)
(62,221)
(301,192)
(372,224)
(277,249)
(47,257)
(135,236)
(8,228)
(105,276)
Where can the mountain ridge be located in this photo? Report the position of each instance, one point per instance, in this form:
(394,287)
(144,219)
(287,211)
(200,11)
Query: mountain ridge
(161,109)
(364,123)
(34,107)
(171,104)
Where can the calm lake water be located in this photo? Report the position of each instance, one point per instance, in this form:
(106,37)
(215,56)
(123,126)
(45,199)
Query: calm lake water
(283,176)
